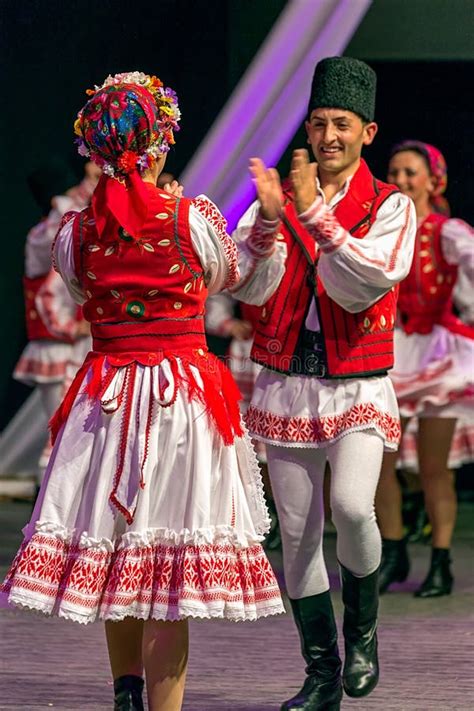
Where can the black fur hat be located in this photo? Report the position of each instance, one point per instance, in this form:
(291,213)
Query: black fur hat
(344,83)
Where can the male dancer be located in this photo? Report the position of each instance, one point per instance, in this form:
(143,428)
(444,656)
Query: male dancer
(324,255)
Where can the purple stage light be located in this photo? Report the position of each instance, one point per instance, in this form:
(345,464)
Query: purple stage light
(270,101)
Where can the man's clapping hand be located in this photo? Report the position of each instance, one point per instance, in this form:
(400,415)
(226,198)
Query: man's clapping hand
(303,180)
(268,186)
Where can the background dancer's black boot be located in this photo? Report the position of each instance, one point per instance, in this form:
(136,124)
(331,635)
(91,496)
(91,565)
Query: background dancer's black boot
(273,539)
(322,689)
(360,597)
(439,580)
(395,564)
(128,691)
(415,518)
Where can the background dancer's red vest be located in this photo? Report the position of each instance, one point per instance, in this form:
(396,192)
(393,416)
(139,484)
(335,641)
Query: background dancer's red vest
(36,329)
(358,344)
(425,295)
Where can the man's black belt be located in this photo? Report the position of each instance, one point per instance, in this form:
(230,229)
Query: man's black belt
(310,355)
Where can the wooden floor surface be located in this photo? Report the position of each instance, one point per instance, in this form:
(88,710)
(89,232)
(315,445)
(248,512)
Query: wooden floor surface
(426,648)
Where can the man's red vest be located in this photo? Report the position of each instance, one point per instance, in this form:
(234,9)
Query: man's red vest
(359,344)
(425,295)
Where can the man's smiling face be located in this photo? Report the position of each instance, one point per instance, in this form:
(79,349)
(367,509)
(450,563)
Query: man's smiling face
(337,137)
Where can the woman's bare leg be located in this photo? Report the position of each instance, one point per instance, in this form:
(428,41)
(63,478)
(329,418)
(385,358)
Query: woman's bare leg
(388,499)
(124,642)
(434,442)
(165,654)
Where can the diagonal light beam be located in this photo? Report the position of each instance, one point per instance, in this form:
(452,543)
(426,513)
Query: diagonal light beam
(270,101)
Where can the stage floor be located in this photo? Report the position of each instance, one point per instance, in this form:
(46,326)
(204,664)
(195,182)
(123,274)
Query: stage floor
(426,647)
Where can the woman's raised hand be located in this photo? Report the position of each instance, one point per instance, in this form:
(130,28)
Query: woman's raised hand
(174,188)
(268,186)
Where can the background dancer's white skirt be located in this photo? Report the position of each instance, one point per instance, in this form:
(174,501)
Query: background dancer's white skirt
(461,451)
(43,362)
(434,373)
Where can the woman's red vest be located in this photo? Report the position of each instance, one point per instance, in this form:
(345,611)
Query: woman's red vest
(425,295)
(146,294)
(145,303)
(356,345)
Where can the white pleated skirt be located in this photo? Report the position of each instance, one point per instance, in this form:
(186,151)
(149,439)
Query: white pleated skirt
(144,512)
(303,411)
(434,373)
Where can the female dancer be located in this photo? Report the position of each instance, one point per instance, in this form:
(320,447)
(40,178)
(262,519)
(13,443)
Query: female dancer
(54,325)
(152,508)
(433,375)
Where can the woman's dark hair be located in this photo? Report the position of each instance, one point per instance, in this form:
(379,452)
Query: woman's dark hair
(415,148)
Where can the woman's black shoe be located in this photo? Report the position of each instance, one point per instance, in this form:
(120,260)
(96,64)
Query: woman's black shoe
(395,564)
(322,689)
(439,580)
(128,691)
(361,600)
(415,518)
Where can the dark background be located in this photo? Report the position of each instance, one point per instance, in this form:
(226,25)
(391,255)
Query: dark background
(53,50)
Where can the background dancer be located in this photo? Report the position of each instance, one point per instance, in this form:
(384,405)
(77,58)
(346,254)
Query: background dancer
(434,353)
(152,508)
(233,324)
(341,241)
(54,323)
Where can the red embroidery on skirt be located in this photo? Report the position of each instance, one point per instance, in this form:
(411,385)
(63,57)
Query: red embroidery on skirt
(321,429)
(48,570)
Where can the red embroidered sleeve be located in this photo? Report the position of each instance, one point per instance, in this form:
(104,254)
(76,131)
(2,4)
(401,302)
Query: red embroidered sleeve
(219,224)
(321,224)
(67,217)
(261,240)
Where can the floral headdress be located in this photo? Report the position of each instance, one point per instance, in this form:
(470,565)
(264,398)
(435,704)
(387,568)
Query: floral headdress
(129,120)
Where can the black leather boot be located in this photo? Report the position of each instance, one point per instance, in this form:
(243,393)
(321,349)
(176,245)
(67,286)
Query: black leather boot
(361,600)
(395,564)
(322,689)
(273,539)
(128,693)
(439,580)
(415,518)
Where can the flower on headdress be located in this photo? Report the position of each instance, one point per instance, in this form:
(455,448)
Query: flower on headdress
(107,169)
(166,110)
(77,126)
(144,162)
(82,149)
(127,162)
(155,84)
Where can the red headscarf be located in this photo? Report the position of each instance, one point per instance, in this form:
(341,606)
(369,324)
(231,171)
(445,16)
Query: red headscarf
(126,124)
(437,167)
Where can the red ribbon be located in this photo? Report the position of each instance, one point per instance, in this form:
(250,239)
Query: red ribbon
(126,203)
